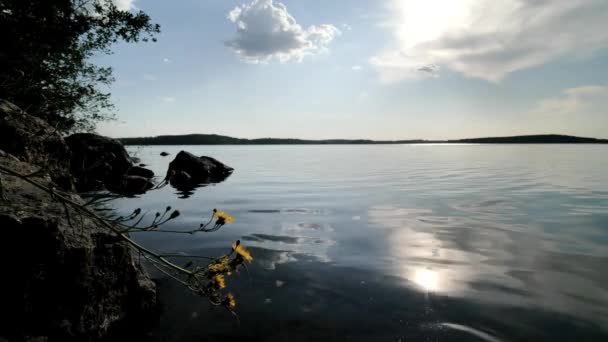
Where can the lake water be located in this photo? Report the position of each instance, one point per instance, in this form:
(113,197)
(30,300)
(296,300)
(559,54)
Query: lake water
(396,243)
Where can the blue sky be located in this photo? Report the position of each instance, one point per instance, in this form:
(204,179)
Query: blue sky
(385,69)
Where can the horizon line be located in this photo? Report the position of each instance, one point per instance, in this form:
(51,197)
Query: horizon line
(368,139)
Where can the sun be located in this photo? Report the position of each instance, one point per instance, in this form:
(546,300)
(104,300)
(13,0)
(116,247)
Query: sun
(421,21)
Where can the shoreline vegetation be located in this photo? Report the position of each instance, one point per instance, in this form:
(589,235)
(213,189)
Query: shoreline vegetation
(214,139)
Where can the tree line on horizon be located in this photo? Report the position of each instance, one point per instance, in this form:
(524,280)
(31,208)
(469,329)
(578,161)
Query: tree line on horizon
(214,139)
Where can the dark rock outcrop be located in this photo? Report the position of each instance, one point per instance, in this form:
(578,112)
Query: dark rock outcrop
(188,170)
(32,140)
(96,160)
(65,277)
(164,154)
(131,185)
(180,177)
(100,162)
(140,171)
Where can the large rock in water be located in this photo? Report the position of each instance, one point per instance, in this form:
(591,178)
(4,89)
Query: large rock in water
(189,170)
(32,140)
(65,278)
(100,162)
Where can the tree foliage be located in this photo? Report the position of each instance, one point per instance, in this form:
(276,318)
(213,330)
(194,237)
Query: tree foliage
(45,57)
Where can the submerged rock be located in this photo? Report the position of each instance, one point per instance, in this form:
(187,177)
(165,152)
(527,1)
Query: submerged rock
(188,170)
(66,277)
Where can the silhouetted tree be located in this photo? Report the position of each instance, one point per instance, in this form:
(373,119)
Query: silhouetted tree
(45,52)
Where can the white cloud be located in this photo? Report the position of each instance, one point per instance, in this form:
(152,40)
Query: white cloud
(166,60)
(356,67)
(124,5)
(586,100)
(149,77)
(488,39)
(265,31)
(168,99)
(346,27)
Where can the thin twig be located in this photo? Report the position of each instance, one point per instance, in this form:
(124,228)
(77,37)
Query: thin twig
(165,272)
(187,256)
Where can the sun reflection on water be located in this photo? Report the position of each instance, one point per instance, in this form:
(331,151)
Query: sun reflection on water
(417,253)
(427,279)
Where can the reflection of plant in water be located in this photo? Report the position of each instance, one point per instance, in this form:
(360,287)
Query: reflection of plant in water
(206,280)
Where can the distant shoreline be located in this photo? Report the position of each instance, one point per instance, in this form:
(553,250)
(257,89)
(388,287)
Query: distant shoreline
(214,139)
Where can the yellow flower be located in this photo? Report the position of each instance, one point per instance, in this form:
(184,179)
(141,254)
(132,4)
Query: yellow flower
(219,281)
(229,301)
(222,217)
(220,266)
(242,251)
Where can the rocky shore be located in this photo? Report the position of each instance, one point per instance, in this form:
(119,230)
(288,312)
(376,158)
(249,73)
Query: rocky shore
(65,278)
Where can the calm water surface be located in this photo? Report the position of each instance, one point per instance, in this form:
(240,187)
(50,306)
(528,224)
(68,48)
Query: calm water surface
(396,243)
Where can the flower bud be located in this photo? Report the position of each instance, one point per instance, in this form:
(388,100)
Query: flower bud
(174,214)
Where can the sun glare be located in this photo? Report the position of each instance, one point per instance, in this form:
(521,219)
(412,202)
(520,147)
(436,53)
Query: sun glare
(426,20)
(427,279)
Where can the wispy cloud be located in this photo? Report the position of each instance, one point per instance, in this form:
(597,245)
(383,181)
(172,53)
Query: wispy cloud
(166,60)
(168,99)
(149,77)
(265,30)
(583,100)
(488,39)
(356,67)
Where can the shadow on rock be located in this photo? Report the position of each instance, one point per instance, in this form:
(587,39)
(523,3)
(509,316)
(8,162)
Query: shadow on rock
(32,140)
(103,163)
(188,172)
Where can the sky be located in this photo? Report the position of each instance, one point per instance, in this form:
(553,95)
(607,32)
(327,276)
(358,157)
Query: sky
(382,69)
